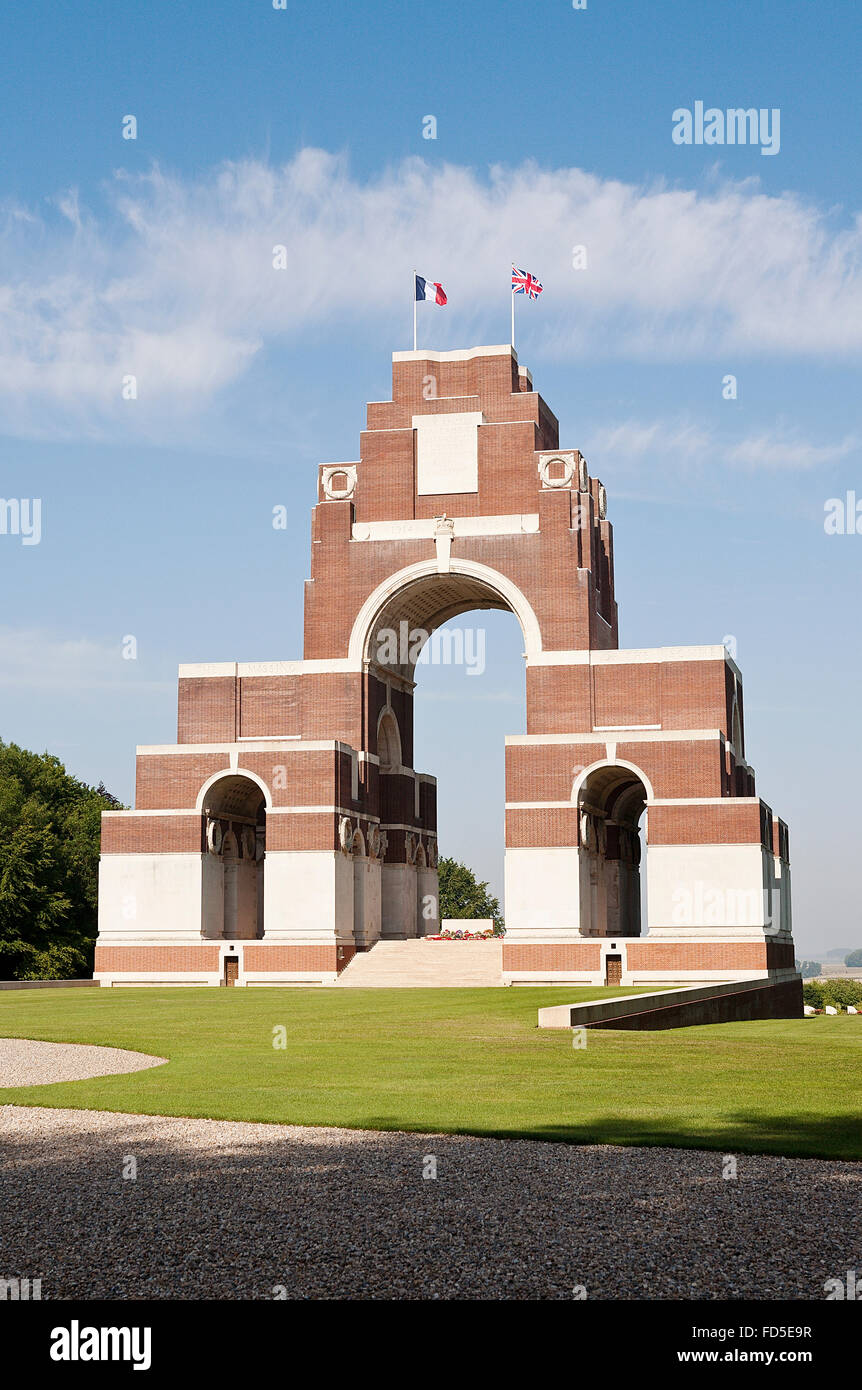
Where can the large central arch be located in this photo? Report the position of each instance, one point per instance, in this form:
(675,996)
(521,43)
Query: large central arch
(423,597)
(391,631)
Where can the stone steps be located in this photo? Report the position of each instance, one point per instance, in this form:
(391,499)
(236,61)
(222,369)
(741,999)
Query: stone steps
(422,964)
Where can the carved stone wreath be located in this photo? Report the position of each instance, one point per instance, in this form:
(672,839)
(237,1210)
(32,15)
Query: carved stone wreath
(545,463)
(338,470)
(215,836)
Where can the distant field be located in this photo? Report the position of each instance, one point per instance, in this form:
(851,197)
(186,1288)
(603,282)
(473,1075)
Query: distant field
(466,1061)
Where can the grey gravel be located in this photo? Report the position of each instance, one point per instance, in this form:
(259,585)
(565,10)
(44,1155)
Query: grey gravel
(26,1062)
(239,1211)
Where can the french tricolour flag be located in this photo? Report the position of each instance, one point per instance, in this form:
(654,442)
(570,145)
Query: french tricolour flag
(430,289)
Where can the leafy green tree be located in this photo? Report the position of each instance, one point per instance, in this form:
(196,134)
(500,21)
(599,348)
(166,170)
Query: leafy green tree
(461,896)
(843,992)
(839,993)
(812,993)
(854,959)
(49,859)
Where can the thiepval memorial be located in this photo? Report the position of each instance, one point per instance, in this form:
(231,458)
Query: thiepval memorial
(287,828)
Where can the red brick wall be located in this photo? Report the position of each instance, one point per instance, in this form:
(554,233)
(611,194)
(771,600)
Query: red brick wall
(311,778)
(725,824)
(260,957)
(559,700)
(270,705)
(207,710)
(302,832)
(546,772)
(168,781)
(554,827)
(152,834)
(170,959)
(627,694)
(575,955)
(678,769)
(697,955)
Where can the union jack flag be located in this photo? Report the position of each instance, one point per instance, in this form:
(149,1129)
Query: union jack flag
(525,283)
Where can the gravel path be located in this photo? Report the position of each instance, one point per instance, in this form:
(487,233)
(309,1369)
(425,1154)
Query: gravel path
(26,1062)
(236,1211)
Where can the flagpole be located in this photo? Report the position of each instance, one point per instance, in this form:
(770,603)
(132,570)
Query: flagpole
(414,310)
(513,319)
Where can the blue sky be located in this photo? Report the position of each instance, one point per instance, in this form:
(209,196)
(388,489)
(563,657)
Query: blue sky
(304,127)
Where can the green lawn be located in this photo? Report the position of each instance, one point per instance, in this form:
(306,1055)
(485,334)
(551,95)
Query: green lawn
(457,1061)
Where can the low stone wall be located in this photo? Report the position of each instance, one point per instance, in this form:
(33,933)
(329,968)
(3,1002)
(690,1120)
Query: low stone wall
(732,1002)
(48,984)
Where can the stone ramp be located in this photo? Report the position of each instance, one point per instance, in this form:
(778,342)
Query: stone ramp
(730,1001)
(422,964)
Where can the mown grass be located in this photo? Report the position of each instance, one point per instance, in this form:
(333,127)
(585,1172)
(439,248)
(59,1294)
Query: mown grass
(456,1061)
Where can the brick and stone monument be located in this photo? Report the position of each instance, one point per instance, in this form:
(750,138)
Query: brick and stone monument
(287,828)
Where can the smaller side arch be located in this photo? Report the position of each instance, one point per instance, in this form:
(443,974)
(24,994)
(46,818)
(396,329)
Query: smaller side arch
(736,731)
(233,772)
(611,762)
(389,749)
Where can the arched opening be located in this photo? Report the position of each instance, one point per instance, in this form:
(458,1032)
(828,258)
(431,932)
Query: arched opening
(611,801)
(360,884)
(396,620)
(233,865)
(448,647)
(388,742)
(736,731)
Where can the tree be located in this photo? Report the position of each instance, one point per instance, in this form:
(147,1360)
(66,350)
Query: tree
(49,860)
(808,968)
(463,897)
(812,993)
(839,993)
(843,992)
(854,959)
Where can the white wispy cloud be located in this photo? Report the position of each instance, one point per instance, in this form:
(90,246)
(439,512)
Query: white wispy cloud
(37,659)
(782,450)
(673,445)
(174,283)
